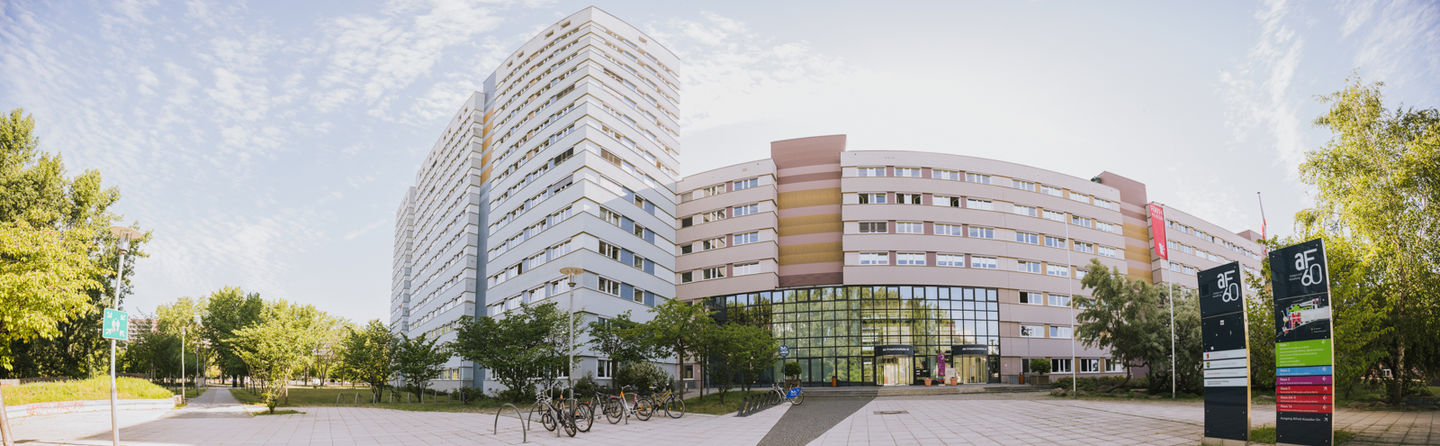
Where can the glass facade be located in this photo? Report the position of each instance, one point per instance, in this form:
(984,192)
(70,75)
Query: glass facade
(876,335)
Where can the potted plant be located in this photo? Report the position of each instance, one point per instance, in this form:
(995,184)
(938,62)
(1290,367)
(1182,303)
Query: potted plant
(792,374)
(1039,367)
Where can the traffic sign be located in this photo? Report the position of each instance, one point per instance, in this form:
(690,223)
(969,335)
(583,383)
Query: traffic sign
(116,325)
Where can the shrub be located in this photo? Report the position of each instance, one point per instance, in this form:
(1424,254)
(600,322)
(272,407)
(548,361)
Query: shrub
(792,369)
(1040,366)
(642,375)
(586,386)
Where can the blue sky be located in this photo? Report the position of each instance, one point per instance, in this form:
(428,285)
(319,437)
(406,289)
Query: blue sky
(268,144)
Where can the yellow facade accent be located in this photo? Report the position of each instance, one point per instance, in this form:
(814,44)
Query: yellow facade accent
(812,197)
(811,253)
(811,224)
(1137,232)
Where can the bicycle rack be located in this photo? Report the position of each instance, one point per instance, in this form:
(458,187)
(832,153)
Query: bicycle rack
(524,427)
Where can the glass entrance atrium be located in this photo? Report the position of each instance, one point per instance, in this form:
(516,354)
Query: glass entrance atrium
(877,335)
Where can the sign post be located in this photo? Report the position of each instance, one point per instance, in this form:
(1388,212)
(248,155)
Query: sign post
(1226,356)
(115,326)
(1304,353)
(1157,232)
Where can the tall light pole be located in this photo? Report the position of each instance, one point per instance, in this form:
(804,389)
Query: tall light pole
(125,235)
(570,272)
(182,364)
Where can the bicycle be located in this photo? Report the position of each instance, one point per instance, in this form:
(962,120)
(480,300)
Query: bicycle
(584,413)
(617,407)
(670,401)
(779,395)
(553,414)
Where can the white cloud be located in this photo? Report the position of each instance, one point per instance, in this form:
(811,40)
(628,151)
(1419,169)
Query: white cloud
(352,235)
(1259,93)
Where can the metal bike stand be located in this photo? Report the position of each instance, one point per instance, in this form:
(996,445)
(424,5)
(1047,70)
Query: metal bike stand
(524,427)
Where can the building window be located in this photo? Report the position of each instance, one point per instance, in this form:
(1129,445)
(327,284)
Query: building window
(1114,365)
(1080,198)
(872,198)
(977,178)
(874,258)
(610,216)
(637,295)
(605,369)
(1030,298)
(945,174)
(944,200)
(714,243)
(1060,365)
(1027,238)
(687,277)
(637,262)
(873,227)
(871,171)
(1057,270)
(1032,331)
(984,262)
(1090,365)
(910,258)
(1081,221)
(1029,267)
(610,287)
(1024,210)
(1084,247)
(909,227)
(944,229)
(907,198)
(741,211)
(1055,216)
(982,232)
(908,172)
(707,217)
(1060,332)
(1022,185)
(746,184)
(747,238)
(713,273)
(741,269)
(1109,252)
(949,260)
(1053,191)
(1055,242)
(979,204)
(609,250)
(1057,300)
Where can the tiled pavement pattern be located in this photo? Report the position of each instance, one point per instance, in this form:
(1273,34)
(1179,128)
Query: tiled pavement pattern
(1043,420)
(210,425)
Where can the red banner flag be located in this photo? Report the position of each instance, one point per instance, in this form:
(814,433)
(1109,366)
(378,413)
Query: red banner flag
(1157,230)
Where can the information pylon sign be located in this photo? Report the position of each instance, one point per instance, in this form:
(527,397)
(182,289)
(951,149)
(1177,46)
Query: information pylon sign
(1304,351)
(1226,357)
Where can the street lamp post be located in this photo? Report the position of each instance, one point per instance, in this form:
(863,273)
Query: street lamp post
(182,364)
(570,272)
(125,234)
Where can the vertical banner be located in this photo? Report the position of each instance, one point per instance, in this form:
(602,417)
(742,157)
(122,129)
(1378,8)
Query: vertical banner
(1304,354)
(1226,354)
(1157,230)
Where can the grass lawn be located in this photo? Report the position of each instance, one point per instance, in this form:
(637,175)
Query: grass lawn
(710,403)
(89,389)
(1266,434)
(326,396)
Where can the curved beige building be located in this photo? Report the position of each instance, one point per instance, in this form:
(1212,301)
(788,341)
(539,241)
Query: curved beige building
(868,265)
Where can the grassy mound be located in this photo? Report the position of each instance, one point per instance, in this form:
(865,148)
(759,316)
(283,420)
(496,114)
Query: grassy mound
(89,389)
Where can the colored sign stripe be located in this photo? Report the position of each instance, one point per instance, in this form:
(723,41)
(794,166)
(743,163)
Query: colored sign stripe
(1227,382)
(1225,354)
(1304,390)
(1303,408)
(1305,399)
(1302,353)
(1305,371)
(1302,380)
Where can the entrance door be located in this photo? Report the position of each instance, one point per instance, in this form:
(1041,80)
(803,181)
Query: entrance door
(895,371)
(971,369)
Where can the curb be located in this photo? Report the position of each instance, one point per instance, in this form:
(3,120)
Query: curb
(62,407)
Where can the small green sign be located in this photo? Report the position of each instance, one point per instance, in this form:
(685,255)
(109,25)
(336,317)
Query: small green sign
(116,325)
(1302,353)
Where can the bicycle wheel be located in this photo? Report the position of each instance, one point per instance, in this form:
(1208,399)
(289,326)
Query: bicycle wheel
(548,420)
(567,420)
(584,417)
(798,399)
(613,411)
(643,409)
(675,407)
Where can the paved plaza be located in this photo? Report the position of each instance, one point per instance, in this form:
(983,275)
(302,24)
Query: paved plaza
(1024,418)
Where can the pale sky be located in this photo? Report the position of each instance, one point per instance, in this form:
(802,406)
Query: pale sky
(267,145)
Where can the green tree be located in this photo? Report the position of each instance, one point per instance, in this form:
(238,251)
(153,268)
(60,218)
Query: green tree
(228,310)
(327,347)
(366,355)
(1124,315)
(418,360)
(278,347)
(1260,328)
(170,319)
(1376,184)
(754,352)
(620,338)
(522,345)
(62,221)
(678,328)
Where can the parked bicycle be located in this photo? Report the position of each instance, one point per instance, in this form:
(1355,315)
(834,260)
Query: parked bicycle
(554,414)
(619,407)
(668,400)
(792,395)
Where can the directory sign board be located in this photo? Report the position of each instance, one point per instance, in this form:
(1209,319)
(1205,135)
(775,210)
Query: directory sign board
(1226,356)
(1304,354)
(115,325)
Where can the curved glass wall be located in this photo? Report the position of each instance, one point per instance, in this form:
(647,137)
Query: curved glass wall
(877,335)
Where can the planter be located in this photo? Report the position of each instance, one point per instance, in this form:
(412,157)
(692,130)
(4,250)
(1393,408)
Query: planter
(954,380)
(927,382)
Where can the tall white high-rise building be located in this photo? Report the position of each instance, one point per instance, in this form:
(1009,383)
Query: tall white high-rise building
(567,159)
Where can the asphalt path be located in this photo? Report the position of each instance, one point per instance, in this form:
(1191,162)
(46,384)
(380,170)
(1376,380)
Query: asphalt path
(808,421)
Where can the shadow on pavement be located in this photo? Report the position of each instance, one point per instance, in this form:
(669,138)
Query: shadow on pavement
(808,421)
